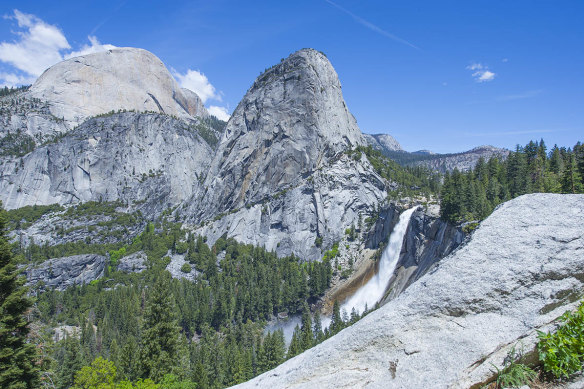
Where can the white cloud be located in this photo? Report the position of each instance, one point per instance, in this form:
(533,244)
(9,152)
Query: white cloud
(485,75)
(481,73)
(37,46)
(219,112)
(474,66)
(95,47)
(198,83)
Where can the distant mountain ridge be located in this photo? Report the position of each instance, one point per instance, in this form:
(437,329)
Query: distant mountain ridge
(441,163)
(462,161)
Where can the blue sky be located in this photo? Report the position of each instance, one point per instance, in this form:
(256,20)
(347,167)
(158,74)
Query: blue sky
(445,76)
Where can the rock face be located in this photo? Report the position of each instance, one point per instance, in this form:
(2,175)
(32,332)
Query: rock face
(523,267)
(383,142)
(133,263)
(280,177)
(128,156)
(292,121)
(122,78)
(321,206)
(60,273)
(26,122)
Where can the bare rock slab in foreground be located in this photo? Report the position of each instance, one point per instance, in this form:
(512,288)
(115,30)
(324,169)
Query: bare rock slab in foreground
(522,269)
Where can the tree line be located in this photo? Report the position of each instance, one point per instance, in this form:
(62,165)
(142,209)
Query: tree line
(473,195)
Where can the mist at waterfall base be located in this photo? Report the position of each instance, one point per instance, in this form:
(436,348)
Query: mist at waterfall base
(287,325)
(369,294)
(373,291)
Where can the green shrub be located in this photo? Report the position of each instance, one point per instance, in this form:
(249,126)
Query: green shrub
(186,268)
(514,374)
(115,256)
(182,247)
(470,227)
(562,352)
(318,241)
(346,273)
(332,253)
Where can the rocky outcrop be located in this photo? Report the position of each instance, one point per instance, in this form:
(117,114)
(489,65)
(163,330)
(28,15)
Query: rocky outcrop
(192,103)
(133,263)
(131,157)
(61,273)
(176,265)
(68,226)
(523,267)
(292,121)
(117,79)
(383,142)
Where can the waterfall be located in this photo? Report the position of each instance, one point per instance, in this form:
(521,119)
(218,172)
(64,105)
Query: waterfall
(369,294)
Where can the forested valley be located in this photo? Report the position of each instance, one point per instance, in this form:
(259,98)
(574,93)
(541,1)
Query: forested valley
(148,330)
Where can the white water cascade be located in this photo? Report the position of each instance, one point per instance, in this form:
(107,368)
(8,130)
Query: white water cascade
(369,294)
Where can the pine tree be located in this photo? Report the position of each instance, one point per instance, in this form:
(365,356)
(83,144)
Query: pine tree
(278,351)
(571,180)
(88,342)
(200,376)
(261,354)
(317,329)
(128,361)
(307,336)
(114,352)
(556,162)
(337,320)
(160,332)
(579,159)
(72,362)
(17,356)
(295,347)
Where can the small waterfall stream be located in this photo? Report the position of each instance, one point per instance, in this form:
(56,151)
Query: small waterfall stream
(369,294)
